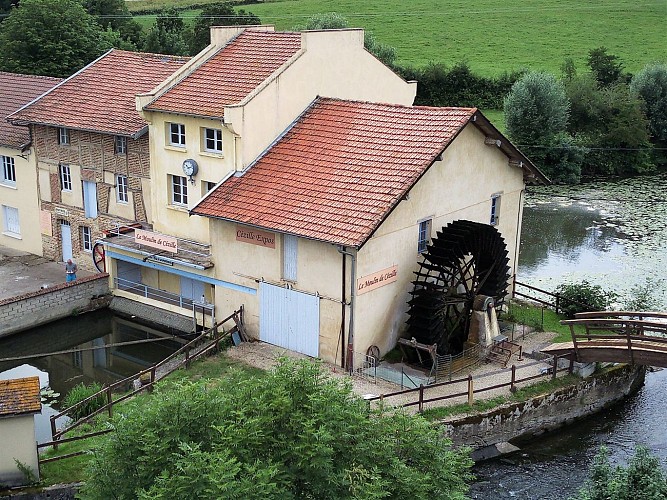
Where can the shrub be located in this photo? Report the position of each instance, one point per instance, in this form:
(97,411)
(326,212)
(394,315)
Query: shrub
(650,84)
(642,297)
(580,297)
(80,392)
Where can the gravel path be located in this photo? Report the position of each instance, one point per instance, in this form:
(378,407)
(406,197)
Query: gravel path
(265,356)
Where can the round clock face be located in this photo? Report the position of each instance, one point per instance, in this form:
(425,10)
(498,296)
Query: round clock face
(190,167)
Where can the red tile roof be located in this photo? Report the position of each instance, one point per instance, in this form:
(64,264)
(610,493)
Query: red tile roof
(101,97)
(338,172)
(19,396)
(16,91)
(230,74)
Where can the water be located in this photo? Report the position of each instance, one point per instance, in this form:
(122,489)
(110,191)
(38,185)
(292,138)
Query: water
(611,234)
(81,364)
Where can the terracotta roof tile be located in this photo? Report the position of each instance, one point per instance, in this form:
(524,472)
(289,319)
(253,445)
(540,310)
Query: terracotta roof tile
(101,97)
(19,396)
(338,172)
(230,74)
(16,91)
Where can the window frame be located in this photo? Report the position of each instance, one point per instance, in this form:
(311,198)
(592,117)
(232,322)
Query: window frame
(8,172)
(179,134)
(424,234)
(64,136)
(65,176)
(290,257)
(179,197)
(122,195)
(86,239)
(494,218)
(215,140)
(120,144)
(5,221)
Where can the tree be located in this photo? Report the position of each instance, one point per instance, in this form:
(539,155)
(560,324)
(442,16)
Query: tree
(115,15)
(334,21)
(642,478)
(217,14)
(167,35)
(291,433)
(606,68)
(650,84)
(50,37)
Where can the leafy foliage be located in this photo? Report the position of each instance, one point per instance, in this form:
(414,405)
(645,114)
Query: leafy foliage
(167,35)
(80,392)
(606,68)
(643,297)
(50,37)
(642,478)
(650,84)
(217,14)
(583,296)
(293,433)
(114,15)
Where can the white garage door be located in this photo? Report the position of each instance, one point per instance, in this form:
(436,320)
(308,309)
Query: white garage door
(289,319)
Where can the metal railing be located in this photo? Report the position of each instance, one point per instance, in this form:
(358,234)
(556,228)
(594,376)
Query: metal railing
(121,231)
(446,365)
(161,295)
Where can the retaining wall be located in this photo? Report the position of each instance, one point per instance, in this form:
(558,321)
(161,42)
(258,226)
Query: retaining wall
(56,302)
(547,412)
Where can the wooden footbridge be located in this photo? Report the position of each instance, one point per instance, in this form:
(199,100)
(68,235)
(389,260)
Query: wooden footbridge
(638,338)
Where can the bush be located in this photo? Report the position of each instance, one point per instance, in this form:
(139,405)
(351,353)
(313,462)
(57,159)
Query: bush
(650,84)
(581,297)
(643,297)
(80,392)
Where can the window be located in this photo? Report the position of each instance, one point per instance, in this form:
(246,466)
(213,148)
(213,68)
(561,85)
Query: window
(207,186)
(495,209)
(290,244)
(63,136)
(8,174)
(90,199)
(10,216)
(424,235)
(86,239)
(120,145)
(177,135)
(212,140)
(65,177)
(179,190)
(121,189)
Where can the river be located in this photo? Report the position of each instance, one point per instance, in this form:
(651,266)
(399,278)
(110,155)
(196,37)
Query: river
(612,234)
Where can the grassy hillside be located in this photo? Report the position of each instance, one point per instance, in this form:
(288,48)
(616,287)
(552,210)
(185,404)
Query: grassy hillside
(491,35)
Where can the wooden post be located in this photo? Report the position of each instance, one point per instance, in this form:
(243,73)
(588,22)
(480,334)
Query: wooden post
(109,402)
(630,353)
(187,358)
(512,387)
(421,398)
(53,431)
(152,379)
(555,369)
(557,303)
(471,391)
(571,367)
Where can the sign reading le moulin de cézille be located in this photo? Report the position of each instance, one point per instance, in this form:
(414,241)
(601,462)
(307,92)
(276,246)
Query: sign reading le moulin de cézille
(376,280)
(256,237)
(156,240)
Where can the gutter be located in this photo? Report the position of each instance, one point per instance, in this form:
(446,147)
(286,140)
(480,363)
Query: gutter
(353,293)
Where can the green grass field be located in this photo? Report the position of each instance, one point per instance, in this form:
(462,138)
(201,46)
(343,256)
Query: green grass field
(491,35)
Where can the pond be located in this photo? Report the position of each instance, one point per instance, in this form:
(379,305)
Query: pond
(79,355)
(611,233)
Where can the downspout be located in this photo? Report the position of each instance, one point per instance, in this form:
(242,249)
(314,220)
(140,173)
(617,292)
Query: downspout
(353,293)
(516,240)
(343,304)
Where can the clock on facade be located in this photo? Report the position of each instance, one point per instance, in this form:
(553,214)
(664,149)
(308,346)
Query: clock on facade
(190,169)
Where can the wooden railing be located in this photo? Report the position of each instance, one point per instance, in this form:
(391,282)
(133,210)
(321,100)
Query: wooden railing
(422,391)
(190,351)
(553,301)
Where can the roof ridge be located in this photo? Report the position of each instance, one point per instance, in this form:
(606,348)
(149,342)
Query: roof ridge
(395,105)
(26,75)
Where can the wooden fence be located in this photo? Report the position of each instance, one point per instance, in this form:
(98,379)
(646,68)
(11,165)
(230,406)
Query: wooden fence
(422,391)
(206,343)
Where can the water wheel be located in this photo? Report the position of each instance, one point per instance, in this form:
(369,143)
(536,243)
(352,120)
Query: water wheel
(464,260)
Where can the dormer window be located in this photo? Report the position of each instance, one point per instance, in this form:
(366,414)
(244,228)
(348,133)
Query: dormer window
(63,136)
(177,135)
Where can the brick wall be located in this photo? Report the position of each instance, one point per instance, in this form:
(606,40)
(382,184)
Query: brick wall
(36,308)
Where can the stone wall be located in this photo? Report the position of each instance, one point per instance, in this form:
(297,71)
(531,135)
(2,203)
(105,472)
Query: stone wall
(36,308)
(547,412)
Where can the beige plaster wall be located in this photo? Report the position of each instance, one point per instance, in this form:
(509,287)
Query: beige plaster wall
(18,442)
(168,160)
(332,64)
(24,196)
(458,187)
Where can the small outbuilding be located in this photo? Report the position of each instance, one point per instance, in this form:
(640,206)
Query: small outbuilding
(19,401)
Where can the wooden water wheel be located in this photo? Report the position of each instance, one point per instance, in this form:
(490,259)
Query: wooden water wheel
(465,259)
